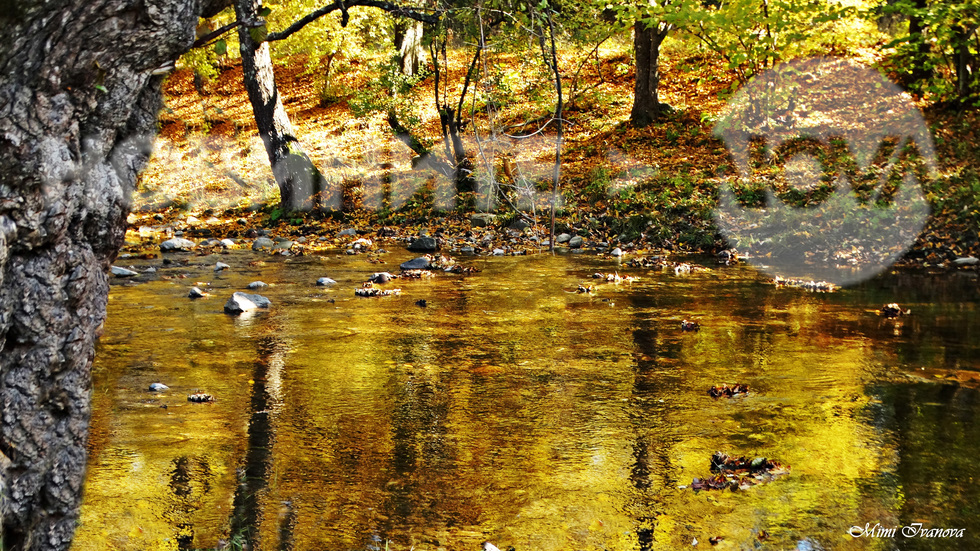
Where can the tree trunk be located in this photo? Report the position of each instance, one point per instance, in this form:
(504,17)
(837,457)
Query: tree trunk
(646,102)
(300,183)
(78,106)
(919,71)
(408,42)
(964,61)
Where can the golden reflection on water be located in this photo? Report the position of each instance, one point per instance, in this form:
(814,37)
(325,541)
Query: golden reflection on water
(515,410)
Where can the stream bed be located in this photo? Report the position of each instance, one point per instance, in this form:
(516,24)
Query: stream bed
(513,409)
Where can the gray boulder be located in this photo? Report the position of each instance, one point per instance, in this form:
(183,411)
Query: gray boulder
(563,238)
(244,302)
(576,242)
(227,243)
(482,219)
(519,224)
(420,263)
(424,244)
(257,285)
(177,244)
(263,243)
(616,252)
(324,281)
(348,231)
(221,266)
(283,245)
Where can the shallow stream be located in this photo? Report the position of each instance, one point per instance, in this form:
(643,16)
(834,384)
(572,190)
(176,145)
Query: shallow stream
(512,409)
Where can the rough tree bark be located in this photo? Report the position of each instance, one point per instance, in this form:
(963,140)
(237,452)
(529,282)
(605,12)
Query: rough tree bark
(646,101)
(78,104)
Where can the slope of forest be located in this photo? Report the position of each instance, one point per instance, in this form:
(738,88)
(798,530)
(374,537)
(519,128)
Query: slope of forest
(647,188)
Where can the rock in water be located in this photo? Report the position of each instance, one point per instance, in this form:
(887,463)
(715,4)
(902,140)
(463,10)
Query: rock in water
(122,272)
(324,281)
(221,266)
(966,261)
(420,263)
(257,285)
(177,244)
(576,242)
(424,244)
(158,387)
(227,243)
(381,277)
(262,243)
(196,293)
(244,302)
(616,252)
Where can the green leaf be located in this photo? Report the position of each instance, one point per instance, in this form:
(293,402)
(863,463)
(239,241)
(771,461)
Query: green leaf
(101,88)
(221,47)
(264,12)
(258,34)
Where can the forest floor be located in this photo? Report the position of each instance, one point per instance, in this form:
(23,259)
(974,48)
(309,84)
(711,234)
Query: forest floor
(640,189)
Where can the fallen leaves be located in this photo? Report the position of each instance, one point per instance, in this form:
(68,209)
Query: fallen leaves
(738,473)
(805,284)
(728,391)
(200,398)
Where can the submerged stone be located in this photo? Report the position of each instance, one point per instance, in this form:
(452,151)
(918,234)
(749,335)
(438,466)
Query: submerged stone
(420,263)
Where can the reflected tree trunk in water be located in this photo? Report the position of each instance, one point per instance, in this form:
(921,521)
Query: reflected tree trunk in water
(418,424)
(187,473)
(255,474)
(646,468)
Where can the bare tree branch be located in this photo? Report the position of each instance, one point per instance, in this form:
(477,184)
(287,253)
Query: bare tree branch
(390,7)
